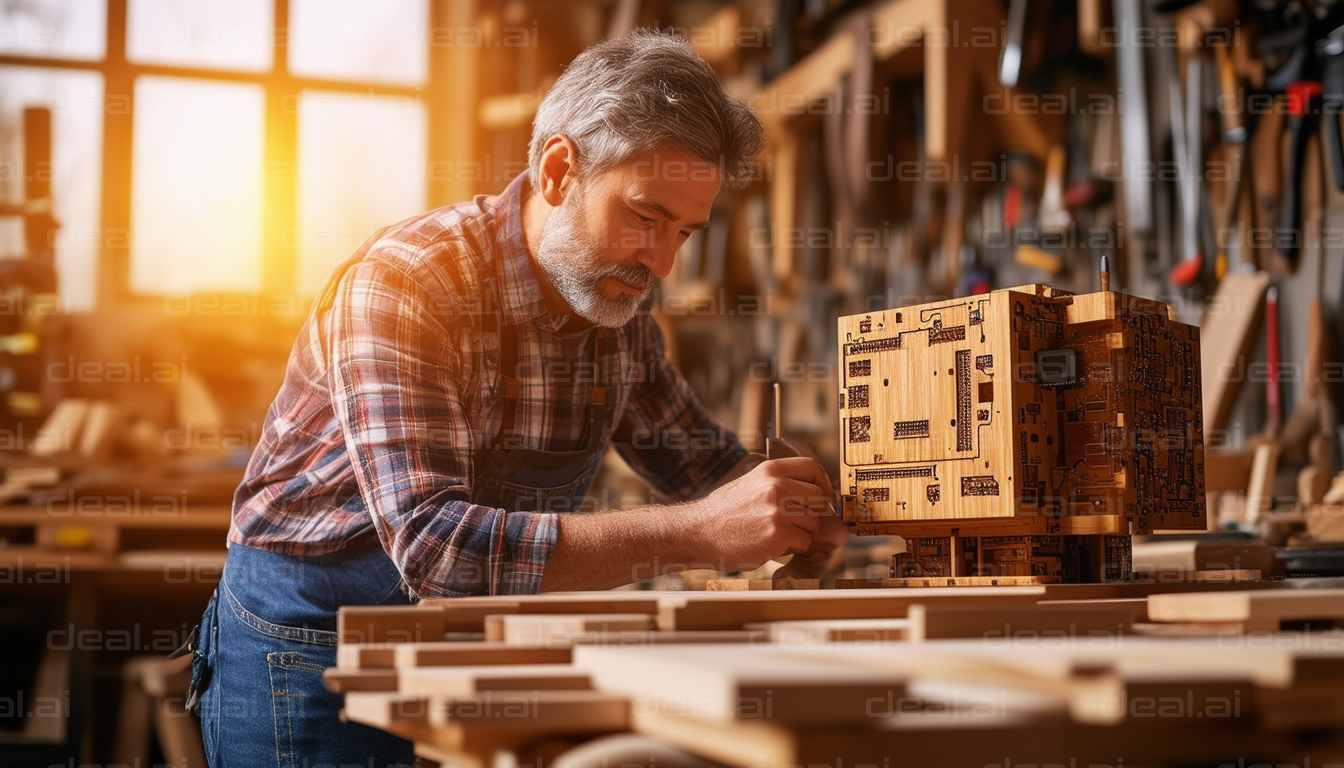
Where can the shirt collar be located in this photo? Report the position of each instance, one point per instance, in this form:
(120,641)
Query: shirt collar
(520,292)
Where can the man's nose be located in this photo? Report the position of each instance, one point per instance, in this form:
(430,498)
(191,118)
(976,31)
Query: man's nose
(658,258)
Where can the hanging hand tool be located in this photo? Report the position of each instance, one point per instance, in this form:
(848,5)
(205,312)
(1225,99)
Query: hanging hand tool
(1273,409)
(1234,143)
(1303,98)
(1331,50)
(1185,116)
(1010,62)
(1135,151)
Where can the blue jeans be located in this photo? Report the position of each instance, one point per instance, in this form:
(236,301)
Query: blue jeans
(267,635)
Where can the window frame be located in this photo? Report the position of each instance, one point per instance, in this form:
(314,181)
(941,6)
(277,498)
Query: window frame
(446,140)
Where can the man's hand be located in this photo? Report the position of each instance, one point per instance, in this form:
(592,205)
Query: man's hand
(781,506)
(811,564)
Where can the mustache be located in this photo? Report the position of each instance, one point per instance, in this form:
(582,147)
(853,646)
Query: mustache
(638,277)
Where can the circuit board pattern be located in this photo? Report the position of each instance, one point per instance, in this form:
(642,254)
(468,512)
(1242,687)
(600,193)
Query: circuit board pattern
(1057,415)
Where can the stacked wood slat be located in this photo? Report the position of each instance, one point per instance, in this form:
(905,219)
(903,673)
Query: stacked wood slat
(948,676)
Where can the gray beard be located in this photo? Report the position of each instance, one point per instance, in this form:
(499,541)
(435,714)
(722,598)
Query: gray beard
(574,267)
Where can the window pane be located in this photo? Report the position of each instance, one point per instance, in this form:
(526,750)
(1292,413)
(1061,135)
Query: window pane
(224,34)
(196,187)
(361,167)
(373,40)
(76,103)
(65,29)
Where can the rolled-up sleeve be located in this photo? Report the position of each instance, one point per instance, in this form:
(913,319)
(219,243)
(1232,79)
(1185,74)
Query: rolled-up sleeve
(666,435)
(396,383)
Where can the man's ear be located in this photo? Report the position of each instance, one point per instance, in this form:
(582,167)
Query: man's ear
(559,172)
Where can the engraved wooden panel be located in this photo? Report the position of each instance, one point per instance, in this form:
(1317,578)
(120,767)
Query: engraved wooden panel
(1028,403)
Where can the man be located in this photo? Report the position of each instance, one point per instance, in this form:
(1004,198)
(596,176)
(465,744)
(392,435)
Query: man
(454,389)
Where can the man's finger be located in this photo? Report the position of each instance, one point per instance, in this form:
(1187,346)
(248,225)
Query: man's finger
(806,469)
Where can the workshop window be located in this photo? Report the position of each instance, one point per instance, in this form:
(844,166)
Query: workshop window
(196,200)
(352,180)
(259,156)
(215,34)
(76,103)
(58,29)
(381,41)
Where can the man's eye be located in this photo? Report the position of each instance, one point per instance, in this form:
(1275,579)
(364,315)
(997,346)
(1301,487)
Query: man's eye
(645,220)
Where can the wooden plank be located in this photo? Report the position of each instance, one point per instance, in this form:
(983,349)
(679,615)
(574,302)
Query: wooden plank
(629,639)
(389,624)
(467,614)
(1164,558)
(961,739)
(408,717)
(60,432)
(463,681)
(553,630)
(1260,490)
(1325,522)
(1254,610)
(733,681)
(449,654)
(1226,336)
(1136,606)
(793,633)
(748,585)
(733,610)
(1007,622)
(560,711)
(1091,679)
(340,680)
(351,656)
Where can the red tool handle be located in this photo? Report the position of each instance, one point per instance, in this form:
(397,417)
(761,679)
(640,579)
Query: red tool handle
(1273,412)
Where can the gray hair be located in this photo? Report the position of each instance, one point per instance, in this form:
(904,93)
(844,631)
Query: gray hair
(625,96)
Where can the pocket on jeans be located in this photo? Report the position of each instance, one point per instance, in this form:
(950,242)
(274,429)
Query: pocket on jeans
(306,713)
(201,643)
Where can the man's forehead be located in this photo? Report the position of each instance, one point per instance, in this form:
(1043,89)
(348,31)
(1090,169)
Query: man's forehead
(675,181)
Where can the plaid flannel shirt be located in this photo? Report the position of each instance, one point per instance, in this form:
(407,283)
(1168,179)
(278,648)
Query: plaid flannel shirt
(387,393)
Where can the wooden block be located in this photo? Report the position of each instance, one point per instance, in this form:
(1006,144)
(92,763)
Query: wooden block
(384,710)
(436,755)
(464,681)
(747,585)
(734,682)
(1312,484)
(339,680)
(1137,606)
(1260,489)
(1258,610)
(547,630)
(1335,495)
(390,624)
(450,654)
(1242,574)
(571,711)
(991,621)
(733,610)
(494,628)
(795,633)
(1156,557)
(351,656)
(99,423)
(1325,522)
(409,718)
(1227,469)
(60,432)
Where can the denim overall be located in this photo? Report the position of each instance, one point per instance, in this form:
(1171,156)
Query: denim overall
(270,629)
